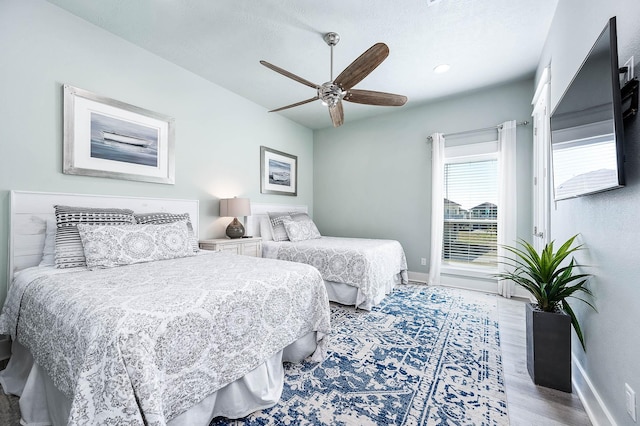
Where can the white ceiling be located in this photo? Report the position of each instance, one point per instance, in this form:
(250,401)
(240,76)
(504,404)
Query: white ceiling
(485,42)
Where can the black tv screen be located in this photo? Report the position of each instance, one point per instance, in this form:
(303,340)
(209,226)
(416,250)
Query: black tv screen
(586,125)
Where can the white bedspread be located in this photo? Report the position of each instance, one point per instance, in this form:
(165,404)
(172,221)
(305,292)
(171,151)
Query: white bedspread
(370,265)
(141,344)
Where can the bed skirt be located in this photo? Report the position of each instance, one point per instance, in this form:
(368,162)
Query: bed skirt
(347,294)
(41,403)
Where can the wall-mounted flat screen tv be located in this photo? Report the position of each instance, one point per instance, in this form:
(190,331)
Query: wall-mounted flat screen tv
(586,125)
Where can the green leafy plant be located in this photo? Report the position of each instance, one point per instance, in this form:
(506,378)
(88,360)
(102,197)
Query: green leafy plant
(544,276)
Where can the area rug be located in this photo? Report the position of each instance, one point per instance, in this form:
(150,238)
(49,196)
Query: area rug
(424,356)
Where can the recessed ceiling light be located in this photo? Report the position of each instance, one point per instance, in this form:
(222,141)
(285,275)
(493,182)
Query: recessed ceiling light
(441,68)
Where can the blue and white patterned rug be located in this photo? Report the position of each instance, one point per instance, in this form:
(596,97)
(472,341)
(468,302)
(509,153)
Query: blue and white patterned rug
(425,356)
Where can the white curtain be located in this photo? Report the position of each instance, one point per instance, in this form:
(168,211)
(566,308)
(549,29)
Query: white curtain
(437,206)
(507,210)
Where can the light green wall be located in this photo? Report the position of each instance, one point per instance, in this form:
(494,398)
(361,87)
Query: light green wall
(372,178)
(218,134)
(607,222)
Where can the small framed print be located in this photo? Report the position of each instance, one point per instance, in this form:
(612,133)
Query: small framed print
(278,172)
(108,138)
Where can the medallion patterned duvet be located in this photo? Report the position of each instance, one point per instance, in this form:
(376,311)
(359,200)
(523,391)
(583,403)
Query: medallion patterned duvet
(368,264)
(141,344)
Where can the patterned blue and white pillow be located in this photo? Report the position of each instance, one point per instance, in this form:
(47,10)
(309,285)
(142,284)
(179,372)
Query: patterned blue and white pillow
(110,246)
(301,231)
(69,252)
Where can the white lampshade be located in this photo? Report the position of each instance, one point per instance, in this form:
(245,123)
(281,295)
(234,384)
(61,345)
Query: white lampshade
(234,207)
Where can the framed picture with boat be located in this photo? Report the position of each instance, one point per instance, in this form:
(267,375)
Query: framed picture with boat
(278,172)
(107,138)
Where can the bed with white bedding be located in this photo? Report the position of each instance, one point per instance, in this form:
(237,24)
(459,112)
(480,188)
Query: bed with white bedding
(174,341)
(356,271)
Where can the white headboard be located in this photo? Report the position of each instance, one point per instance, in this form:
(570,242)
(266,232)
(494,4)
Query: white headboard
(30,210)
(259,211)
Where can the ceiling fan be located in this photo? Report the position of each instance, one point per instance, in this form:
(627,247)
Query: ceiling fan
(333,92)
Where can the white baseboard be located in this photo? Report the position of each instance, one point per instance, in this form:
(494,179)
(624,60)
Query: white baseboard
(523,294)
(420,277)
(593,404)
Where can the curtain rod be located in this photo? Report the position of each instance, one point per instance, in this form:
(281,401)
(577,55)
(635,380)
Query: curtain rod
(499,126)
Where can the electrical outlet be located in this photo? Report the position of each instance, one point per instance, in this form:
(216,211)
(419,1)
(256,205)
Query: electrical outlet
(630,398)
(423,261)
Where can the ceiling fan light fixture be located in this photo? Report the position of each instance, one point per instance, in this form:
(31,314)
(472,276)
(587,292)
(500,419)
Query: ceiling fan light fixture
(442,68)
(330,94)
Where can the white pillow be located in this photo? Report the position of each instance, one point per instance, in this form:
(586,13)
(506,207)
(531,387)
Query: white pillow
(49,250)
(107,246)
(301,231)
(265,229)
(300,217)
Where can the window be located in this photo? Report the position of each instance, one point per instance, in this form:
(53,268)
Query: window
(471,194)
(473,190)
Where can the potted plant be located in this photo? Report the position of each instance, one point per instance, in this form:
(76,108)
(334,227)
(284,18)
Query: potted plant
(550,279)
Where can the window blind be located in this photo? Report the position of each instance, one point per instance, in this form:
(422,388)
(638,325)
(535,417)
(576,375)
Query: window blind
(470,213)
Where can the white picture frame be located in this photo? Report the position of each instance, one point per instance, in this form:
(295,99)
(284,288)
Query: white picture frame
(107,138)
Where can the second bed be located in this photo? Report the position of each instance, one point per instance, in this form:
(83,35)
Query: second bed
(356,271)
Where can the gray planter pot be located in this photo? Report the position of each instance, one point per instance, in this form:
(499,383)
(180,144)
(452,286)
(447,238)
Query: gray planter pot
(549,348)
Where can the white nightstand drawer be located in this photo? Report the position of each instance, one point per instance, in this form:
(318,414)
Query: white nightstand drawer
(245,246)
(252,249)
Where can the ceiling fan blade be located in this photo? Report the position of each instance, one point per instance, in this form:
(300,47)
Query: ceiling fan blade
(370,97)
(315,98)
(362,66)
(288,74)
(337,114)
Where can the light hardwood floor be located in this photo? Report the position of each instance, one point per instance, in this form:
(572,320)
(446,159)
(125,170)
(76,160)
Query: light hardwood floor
(528,404)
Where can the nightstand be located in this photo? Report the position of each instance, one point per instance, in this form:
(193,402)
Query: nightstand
(246,246)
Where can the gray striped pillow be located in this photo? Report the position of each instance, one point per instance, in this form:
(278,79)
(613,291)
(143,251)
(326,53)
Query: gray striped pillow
(69,249)
(159,218)
(277,227)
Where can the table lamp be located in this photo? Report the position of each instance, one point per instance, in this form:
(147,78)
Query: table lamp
(234,207)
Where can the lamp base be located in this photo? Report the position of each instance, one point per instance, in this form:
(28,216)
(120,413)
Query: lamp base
(235,229)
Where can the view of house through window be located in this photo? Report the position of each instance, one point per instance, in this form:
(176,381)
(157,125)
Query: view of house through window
(470,213)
